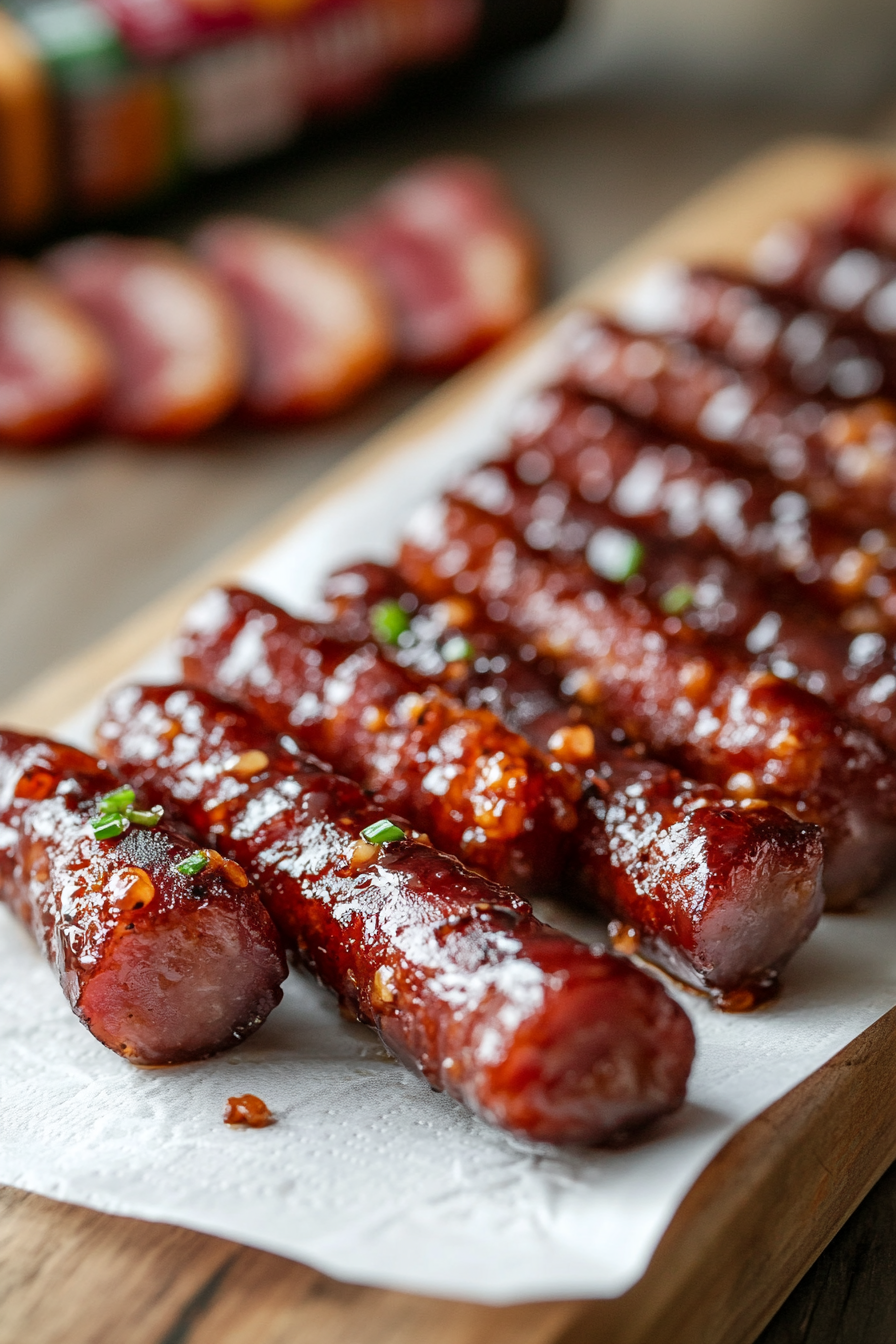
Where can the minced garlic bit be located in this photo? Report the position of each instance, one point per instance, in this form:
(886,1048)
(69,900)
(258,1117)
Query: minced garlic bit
(410,708)
(383,986)
(575,742)
(453,611)
(132,888)
(374,718)
(228,868)
(626,939)
(741,784)
(247,764)
(363,853)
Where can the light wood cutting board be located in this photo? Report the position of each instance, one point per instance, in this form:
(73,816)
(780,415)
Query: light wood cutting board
(750,1227)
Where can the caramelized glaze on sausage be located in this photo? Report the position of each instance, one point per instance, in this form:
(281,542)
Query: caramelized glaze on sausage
(159,965)
(529,1028)
(701,708)
(476,789)
(720,894)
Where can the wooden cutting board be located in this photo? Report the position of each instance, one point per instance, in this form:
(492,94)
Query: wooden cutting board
(750,1227)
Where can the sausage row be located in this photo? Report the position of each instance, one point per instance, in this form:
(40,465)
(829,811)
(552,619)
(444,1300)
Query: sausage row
(454,763)
(529,1028)
(716,551)
(700,707)
(719,894)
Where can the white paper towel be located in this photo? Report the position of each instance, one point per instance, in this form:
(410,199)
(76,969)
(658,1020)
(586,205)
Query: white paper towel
(369,1175)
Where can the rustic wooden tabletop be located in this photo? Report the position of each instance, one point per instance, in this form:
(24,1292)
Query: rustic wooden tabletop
(90,533)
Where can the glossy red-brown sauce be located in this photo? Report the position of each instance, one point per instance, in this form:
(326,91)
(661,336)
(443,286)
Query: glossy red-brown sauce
(719,893)
(160,966)
(702,708)
(477,789)
(531,1029)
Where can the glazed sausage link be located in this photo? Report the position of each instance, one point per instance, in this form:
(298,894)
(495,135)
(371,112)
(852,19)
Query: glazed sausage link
(842,266)
(529,1028)
(719,894)
(161,965)
(702,708)
(755,327)
(603,457)
(590,482)
(475,788)
(843,458)
(867,215)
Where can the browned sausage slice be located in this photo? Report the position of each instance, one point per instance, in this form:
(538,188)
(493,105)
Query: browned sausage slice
(174,334)
(458,261)
(55,369)
(317,327)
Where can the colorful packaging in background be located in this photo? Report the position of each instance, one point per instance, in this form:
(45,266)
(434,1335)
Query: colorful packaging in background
(105,103)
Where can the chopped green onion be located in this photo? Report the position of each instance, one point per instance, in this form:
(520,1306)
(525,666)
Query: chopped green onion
(677,599)
(109,827)
(381,832)
(389,621)
(145,818)
(118,800)
(194,864)
(614,554)
(458,649)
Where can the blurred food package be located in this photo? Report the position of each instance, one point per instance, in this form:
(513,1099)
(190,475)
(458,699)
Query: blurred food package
(105,103)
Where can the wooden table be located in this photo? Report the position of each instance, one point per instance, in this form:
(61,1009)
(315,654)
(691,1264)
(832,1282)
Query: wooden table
(89,534)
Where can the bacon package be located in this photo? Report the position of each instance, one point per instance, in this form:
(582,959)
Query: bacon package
(111,103)
(718,893)
(164,951)
(530,1029)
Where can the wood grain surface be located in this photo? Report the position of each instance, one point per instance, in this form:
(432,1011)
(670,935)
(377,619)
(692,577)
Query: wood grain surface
(749,1228)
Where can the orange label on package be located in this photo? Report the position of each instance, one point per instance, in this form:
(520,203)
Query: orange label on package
(119,141)
(27,149)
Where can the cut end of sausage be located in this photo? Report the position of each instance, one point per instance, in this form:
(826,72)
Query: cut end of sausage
(55,368)
(740,918)
(176,339)
(317,326)
(858,858)
(607,1052)
(184,988)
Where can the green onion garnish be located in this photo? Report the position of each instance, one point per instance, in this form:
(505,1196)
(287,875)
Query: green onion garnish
(117,800)
(458,649)
(614,554)
(677,599)
(193,864)
(381,832)
(109,827)
(145,818)
(389,621)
